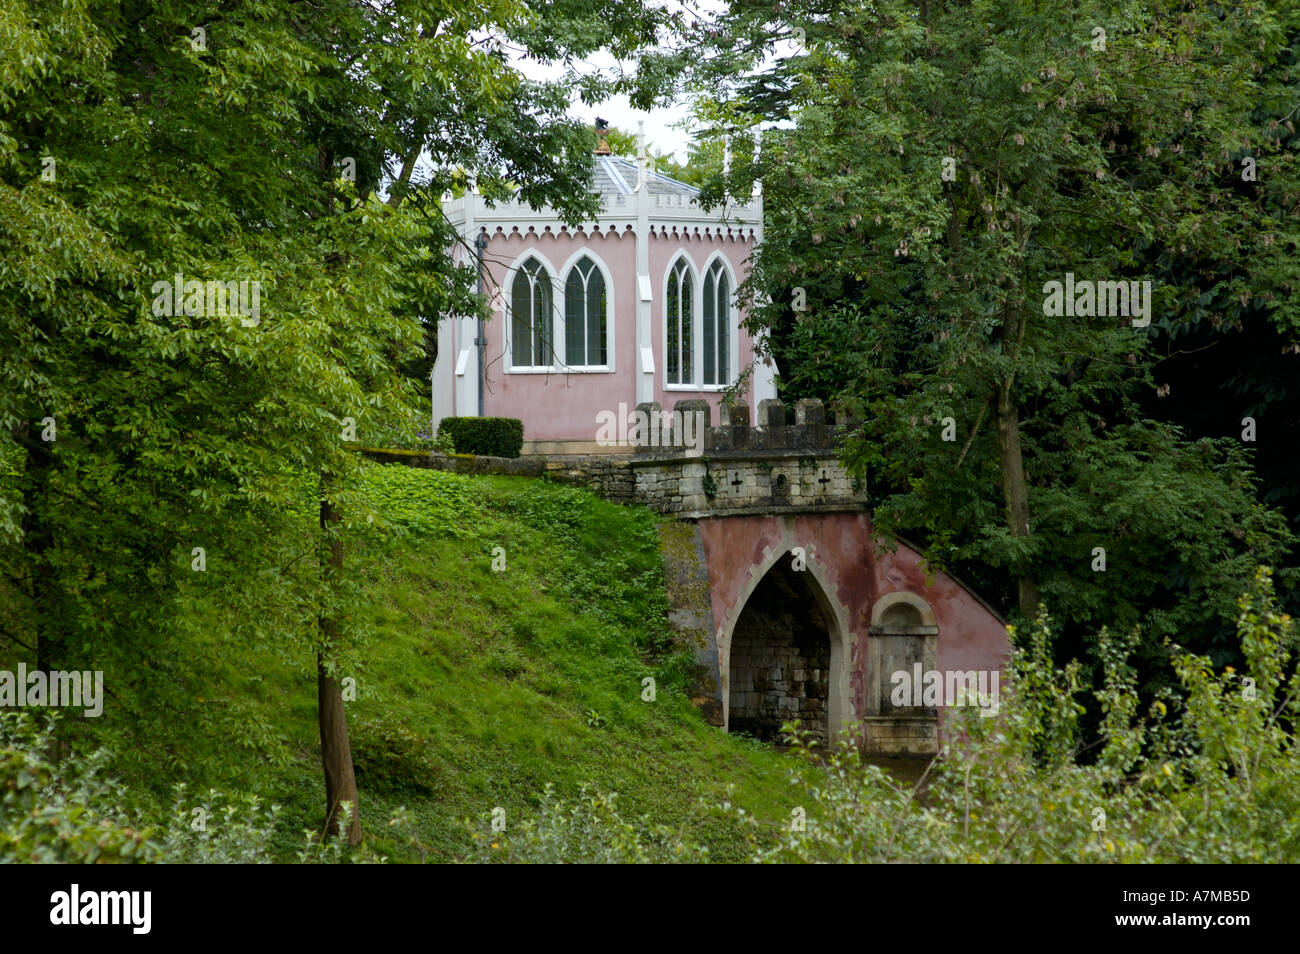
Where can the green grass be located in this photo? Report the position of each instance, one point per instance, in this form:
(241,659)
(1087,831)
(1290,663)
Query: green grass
(475,688)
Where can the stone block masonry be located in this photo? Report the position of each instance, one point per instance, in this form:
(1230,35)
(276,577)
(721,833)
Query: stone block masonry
(773,468)
(780,661)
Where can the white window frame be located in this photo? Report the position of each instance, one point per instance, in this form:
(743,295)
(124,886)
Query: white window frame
(561,306)
(507,311)
(679,256)
(717,262)
(697,323)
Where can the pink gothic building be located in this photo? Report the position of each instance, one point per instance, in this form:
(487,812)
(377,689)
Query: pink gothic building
(638,305)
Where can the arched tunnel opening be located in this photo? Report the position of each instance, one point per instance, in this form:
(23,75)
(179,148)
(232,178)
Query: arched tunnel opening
(780,658)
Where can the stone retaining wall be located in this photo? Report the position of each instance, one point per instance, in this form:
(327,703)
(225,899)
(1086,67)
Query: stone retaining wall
(771,468)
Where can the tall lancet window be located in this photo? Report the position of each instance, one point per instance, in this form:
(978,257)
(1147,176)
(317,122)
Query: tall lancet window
(679,320)
(531,316)
(584,316)
(717,324)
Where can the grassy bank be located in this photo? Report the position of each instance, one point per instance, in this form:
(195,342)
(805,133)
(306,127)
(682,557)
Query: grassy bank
(475,687)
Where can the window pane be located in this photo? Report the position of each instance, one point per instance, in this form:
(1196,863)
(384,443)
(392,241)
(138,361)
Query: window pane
(596,319)
(520,319)
(724,329)
(710,359)
(542,320)
(674,331)
(574,315)
(688,328)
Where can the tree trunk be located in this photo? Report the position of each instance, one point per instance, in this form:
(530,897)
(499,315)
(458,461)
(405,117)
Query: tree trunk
(1015,488)
(1015,491)
(336,755)
(335,748)
(43,585)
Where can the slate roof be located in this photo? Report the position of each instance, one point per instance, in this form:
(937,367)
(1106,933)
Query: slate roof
(615,176)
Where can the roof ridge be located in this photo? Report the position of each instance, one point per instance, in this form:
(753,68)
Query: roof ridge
(667,178)
(617,176)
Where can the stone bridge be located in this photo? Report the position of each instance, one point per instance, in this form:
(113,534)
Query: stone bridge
(776,581)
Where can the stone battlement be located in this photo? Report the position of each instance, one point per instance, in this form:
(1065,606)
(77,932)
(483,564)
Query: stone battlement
(674,434)
(772,468)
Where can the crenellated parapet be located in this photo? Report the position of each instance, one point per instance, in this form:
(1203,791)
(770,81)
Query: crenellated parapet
(676,432)
(683,463)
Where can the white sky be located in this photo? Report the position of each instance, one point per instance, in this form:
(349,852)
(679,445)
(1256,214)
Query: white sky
(660,134)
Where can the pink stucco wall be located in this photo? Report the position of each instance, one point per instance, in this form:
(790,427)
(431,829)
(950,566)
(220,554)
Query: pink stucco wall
(852,574)
(564,405)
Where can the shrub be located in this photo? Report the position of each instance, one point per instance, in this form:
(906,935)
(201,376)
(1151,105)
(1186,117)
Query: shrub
(390,758)
(586,830)
(64,813)
(72,812)
(486,436)
(218,828)
(1208,775)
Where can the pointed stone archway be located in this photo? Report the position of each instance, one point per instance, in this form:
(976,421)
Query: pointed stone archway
(782,654)
(780,659)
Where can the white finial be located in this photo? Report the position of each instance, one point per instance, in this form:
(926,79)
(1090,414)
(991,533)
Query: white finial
(640,155)
(726,164)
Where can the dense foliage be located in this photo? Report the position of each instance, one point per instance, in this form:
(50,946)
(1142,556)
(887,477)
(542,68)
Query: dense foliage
(219,267)
(928,169)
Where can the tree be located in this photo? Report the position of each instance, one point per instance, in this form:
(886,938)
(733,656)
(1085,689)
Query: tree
(153,426)
(935,167)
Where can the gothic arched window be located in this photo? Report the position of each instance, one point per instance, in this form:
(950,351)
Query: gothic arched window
(531,316)
(679,319)
(717,324)
(584,315)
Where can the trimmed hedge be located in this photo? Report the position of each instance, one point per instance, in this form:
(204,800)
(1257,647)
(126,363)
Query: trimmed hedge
(485,436)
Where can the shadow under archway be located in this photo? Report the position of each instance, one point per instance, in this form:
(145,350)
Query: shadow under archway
(780,665)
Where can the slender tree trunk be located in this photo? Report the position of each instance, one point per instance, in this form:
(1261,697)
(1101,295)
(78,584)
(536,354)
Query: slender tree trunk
(1015,488)
(335,747)
(42,584)
(1015,491)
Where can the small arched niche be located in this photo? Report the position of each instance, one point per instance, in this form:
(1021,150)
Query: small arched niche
(901,616)
(893,608)
(903,646)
